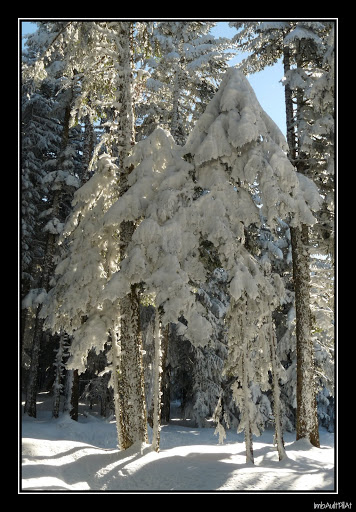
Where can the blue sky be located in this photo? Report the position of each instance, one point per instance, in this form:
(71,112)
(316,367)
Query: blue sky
(266,83)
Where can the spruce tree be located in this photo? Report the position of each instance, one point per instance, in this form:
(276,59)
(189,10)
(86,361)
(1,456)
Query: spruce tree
(58,181)
(111,95)
(301,46)
(234,146)
(185,63)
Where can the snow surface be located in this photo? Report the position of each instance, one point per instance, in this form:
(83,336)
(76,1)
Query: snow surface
(63,455)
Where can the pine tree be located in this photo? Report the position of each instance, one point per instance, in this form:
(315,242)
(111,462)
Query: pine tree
(59,364)
(73,305)
(133,420)
(152,214)
(59,185)
(304,41)
(109,89)
(301,45)
(217,140)
(185,65)
(234,146)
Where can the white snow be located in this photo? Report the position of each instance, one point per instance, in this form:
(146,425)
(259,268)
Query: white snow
(64,455)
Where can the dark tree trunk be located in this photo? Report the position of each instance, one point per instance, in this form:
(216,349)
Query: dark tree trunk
(307,419)
(166,388)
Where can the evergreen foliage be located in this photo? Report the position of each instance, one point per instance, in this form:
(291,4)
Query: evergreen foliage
(163,214)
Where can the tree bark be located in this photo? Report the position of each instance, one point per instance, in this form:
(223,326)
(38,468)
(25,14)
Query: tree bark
(307,419)
(247,398)
(57,385)
(71,402)
(74,399)
(276,395)
(133,420)
(87,149)
(291,138)
(115,377)
(175,105)
(166,390)
(131,406)
(157,383)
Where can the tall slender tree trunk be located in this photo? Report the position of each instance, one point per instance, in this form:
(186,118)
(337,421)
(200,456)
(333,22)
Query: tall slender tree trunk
(166,378)
(74,399)
(57,385)
(132,407)
(88,148)
(71,401)
(247,398)
(157,383)
(132,423)
(307,419)
(276,394)
(175,105)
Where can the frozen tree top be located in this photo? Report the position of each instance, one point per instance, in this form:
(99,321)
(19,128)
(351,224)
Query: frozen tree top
(232,119)
(235,130)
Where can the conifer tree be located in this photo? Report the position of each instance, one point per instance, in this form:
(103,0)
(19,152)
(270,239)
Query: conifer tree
(234,146)
(301,45)
(152,213)
(185,65)
(110,89)
(58,181)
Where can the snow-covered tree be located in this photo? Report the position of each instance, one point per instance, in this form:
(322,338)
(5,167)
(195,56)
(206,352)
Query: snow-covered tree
(311,82)
(40,140)
(305,48)
(108,91)
(156,222)
(58,182)
(236,137)
(197,370)
(73,305)
(236,148)
(185,65)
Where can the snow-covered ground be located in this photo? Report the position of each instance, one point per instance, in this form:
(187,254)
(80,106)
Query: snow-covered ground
(64,455)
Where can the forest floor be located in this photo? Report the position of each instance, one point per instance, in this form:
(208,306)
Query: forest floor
(64,455)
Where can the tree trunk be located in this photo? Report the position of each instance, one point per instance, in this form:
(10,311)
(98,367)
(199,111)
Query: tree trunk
(133,420)
(32,383)
(68,391)
(157,383)
(57,385)
(87,149)
(71,402)
(115,377)
(166,379)
(175,105)
(74,399)
(307,419)
(291,138)
(247,398)
(132,423)
(276,395)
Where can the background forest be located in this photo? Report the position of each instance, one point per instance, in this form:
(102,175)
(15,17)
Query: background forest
(175,248)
